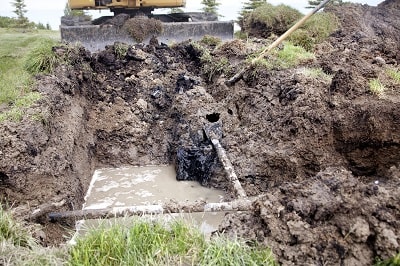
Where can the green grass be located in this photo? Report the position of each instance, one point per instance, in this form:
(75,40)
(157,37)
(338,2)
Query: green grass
(278,18)
(289,56)
(394,74)
(395,261)
(315,30)
(376,87)
(13,232)
(15,79)
(152,243)
(18,247)
(316,73)
(211,66)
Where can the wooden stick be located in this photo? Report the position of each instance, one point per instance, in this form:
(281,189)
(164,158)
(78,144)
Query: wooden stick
(240,74)
(171,207)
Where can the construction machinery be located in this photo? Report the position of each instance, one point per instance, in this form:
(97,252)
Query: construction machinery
(170,28)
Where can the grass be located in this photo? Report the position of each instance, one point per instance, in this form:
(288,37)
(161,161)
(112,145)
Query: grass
(211,66)
(376,87)
(394,74)
(289,56)
(13,232)
(277,19)
(153,243)
(315,30)
(317,73)
(15,79)
(395,261)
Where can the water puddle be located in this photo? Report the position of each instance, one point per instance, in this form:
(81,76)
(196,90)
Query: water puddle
(130,186)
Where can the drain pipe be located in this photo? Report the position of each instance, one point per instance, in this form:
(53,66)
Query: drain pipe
(213,132)
(239,191)
(164,208)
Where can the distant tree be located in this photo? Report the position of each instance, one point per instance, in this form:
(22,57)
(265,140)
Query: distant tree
(75,13)
(210,6)
(314,3)
(48,27)
(40,26)
(6,22)
(248,7)
(20,11)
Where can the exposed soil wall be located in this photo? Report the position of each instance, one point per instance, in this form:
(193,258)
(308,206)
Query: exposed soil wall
(324,152)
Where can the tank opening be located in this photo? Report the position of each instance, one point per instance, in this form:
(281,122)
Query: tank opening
(214,117)
(230,111)
(3,178)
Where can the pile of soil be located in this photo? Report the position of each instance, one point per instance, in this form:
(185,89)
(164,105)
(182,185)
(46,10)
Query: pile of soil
(324,153)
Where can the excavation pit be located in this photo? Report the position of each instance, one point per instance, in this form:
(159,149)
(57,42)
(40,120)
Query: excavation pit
(150,185)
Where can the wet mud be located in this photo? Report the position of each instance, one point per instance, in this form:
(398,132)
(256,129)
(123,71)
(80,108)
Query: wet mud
(325,153)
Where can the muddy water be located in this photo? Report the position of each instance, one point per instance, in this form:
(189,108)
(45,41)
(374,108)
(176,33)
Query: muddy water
(119,187)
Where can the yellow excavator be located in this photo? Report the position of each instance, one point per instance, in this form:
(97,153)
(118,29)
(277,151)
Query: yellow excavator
(175,27)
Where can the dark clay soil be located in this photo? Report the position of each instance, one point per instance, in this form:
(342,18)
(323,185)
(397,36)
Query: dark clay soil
(325,153)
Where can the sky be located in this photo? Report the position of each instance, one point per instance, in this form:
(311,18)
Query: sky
(50,11)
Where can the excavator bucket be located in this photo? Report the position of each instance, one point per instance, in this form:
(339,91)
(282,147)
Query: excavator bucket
(95,37)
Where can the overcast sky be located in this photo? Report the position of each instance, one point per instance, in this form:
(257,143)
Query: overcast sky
(50,11)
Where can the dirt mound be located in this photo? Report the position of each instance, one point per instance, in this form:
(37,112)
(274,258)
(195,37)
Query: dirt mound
(325,153)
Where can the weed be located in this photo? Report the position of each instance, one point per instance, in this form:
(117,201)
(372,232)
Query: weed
(317,73)
(376,87)
(287,57)
(141,27)
(121,49)
(13,232)
(394,74)
(315,30)
(211,66)
(395,261)
(42,59)
(210,40)
(274,19)
(221,251)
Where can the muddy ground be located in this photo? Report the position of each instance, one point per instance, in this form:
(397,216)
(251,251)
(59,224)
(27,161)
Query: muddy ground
(325,152)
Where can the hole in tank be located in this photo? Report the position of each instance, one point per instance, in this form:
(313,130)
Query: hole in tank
(214,117)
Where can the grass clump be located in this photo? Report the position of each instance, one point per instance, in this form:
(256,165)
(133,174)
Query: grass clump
(211,65)
(289,56)
(222,251)
(376,87)
(315,30)
(18,247)
(268,19)
(42,58)
(210,40)
(121,49)
(142,27)
(317,73)
(152,243)
(394,74)
(395,261)
(13,232)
